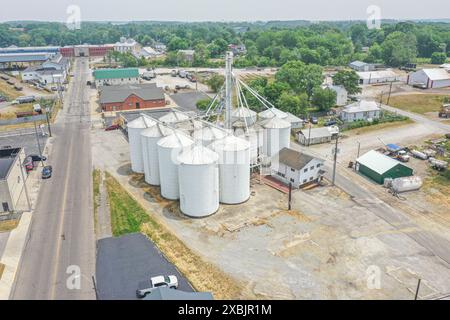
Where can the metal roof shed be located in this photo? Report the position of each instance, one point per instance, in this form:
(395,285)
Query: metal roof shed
(378,167)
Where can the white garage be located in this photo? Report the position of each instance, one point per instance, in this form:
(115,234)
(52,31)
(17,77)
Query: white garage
(431,78)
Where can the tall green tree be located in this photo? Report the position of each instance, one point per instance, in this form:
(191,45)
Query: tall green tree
(324,99)
(300,77)
(399,48)
(349,80)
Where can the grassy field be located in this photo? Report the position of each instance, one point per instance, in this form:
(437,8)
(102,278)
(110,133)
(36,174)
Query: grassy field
(96,176)
(418,103)
(8,90)
(127,216)
(380,126)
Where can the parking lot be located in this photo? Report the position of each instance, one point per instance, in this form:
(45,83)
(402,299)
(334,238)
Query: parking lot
(25,138)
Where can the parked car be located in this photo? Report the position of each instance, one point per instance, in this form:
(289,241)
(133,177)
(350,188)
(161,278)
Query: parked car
(112,127)
(47,172)
(146,287)
(330,122)
(36,157)
(314,120)
(28,164)
(178,87)
(420,85)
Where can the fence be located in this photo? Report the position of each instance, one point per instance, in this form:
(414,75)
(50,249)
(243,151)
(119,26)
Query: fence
(39,117)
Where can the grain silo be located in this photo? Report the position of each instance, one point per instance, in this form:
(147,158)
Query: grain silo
(272,112)
(234,169)
(198,174)
(208,134)
(277,135)
(174,116)
(134,129)
(254,135)
(168,149)
(150,138)
(244,114)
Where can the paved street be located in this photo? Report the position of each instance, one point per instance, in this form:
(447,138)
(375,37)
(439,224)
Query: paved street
(62,229)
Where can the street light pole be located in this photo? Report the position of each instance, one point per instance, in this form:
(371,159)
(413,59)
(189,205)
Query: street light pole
(38,143)
(335,151)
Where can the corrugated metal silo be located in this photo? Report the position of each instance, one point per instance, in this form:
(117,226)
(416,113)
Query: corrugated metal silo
(208,134)
(277,135)
(168,149)
(234,169)
(134,129)
(199,181)
(173,116)
(272,112)
(244,114)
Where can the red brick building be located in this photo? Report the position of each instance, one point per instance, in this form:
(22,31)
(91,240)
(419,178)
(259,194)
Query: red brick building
(131,97)
(86,50)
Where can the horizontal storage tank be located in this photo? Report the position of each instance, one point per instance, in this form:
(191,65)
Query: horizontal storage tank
(168,149)
(134,129)
(272,112)
(234,169)
(277,135)
(174,116)
(244,114)
(406,184)
(149,139)
(419,155)
(208,134)
(198,175)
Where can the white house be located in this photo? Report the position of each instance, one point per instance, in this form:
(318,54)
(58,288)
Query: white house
(341,94)
(361,66)
(361,110)
(297,168)
(383,76)
(187,55)
(309,136)
(431,78)
(148,53)
(126,45)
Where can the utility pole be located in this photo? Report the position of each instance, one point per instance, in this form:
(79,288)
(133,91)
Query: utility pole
(309,135)
(335,152)
(359,148)
(228,88)
(417,290)
(47,109)
(24,183)
(290,196)
(390,91)
(38,143)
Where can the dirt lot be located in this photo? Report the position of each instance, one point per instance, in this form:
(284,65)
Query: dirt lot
(305,253)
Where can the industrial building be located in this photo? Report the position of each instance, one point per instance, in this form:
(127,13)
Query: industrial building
(116,76)
(11,177)
(131,96)
(374,77)
(86,50)
(378,167)
(309,136)
(430,78)
(297,168)
(361,66)
(361,110)
(51,71)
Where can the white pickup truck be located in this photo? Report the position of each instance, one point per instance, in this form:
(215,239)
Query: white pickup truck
(147,286)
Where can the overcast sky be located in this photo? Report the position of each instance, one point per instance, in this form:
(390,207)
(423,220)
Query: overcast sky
(223,10)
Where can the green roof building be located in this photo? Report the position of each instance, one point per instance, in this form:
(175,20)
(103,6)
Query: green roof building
(378,167)
(116,76)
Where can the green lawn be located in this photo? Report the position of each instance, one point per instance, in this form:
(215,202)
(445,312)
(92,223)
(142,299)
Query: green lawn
(418,103)
(127,215)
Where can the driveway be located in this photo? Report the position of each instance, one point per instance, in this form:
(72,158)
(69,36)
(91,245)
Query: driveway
(123,262)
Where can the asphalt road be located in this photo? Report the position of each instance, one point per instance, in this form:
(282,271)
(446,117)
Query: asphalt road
(61,239)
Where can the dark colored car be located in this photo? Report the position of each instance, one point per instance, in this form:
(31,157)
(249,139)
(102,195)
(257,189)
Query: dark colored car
(314,120)
(36,157)
(28,164)
(47,172)
(330,122)
(112,127)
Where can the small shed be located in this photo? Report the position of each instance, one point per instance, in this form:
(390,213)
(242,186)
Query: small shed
(378,167)
(308,136)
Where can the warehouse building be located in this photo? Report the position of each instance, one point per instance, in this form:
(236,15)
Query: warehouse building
(430,78)
(116,76)
(11,177)
(361,66)
(361,110)
(297,168)
(309,136)
(86,50)
(378,167)
(374,77)
(131,97)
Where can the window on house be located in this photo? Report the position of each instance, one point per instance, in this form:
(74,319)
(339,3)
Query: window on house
(304,181)
(310,179)
(306,170)
(312,168)
(292,180)
(318,165)
(293,170)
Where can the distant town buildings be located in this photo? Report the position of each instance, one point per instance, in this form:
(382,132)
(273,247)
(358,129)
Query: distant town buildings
(361,110)
(186,55)
(86,50)
(126,45)
(237,49)
(361,66)
(116,76)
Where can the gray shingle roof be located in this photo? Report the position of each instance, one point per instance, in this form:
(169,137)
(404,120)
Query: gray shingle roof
(148,91)
(294,159)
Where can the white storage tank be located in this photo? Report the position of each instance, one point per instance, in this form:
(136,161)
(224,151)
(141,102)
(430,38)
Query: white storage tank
(406,184)
(173,116)
(272,112)
(254,135)
(208,134)
(277,135)
(198,174)
(134,129)
(234,169)
(168,149)
(244,114)
(149,139)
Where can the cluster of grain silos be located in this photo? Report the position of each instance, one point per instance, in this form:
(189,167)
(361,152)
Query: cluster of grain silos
(135,128)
